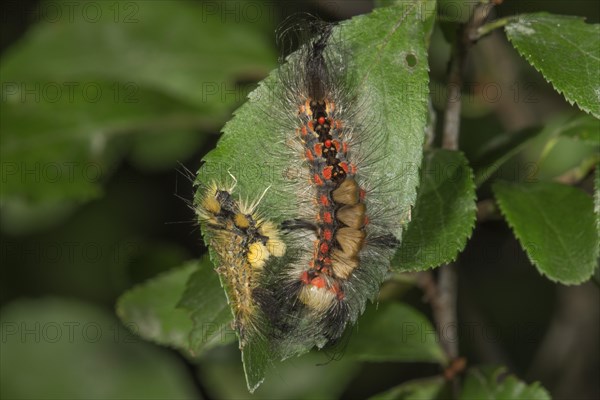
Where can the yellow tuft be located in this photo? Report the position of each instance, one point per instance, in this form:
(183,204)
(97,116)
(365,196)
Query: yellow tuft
(241,221)
(209,202)
(211,205)
(275,245)
(267,228)
(257,255)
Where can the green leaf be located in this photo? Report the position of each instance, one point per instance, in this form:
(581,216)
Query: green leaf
(426,11)
(495,153)
(499,150)
(394,332)
(204,299)
(59,349)
(83,89)
(564,50)
(487,383)
(380,46)
(567,148)
(256,359)
(152,45)
(64,150)
(579,127)
(444,216)
(419,389)
(150,308)
(582,127)
(555,225)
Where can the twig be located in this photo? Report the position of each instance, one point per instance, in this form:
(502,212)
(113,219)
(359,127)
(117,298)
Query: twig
(488,28)
(430,293)
(443,295)
(466,37)
(436,294)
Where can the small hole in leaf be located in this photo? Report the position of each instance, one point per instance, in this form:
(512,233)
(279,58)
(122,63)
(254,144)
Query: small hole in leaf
(411,60)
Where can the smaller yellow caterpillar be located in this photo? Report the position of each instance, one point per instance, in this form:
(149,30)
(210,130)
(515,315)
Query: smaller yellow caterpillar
(243,243)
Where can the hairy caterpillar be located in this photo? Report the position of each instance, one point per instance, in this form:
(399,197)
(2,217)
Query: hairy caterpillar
(243,242)
(338,230)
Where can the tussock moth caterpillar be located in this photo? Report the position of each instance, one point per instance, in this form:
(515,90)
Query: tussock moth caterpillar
(243,242)
(339,232)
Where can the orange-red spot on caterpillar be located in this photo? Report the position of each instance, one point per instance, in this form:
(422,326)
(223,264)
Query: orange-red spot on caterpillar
(304,277)
(318,149)
(324,201)
(344,166)
(321,120)
(318,180)
(327,234)
(353,169)
(318,282)
(327,172)
(311,126)
(327,218)
(328,143)
(304,131)
(324,248)
(309,155)
(337,145)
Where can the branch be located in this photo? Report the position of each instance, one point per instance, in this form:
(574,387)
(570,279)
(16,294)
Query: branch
(488,28)
(466,38)
(442,296)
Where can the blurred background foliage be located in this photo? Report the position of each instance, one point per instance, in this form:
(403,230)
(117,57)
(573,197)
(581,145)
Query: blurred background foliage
(107,109)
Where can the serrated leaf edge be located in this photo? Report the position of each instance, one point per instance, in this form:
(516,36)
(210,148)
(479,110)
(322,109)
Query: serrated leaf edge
(540,69)
(505,214)
(120,312)
(459,247)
